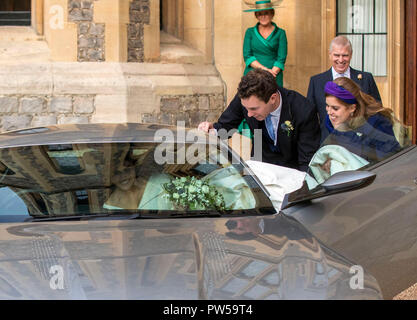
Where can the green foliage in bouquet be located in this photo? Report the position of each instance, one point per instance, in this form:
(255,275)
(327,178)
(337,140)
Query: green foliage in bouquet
(189,193)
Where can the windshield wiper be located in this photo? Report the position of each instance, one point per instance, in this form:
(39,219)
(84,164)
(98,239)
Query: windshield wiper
(194,214)
(150,214)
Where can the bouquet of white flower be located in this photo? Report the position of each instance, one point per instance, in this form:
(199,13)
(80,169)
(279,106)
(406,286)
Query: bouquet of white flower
(189,193)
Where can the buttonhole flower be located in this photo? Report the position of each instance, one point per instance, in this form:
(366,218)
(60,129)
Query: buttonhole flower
(287,127)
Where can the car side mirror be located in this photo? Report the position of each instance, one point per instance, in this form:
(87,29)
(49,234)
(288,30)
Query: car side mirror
(339,182)
(348,180)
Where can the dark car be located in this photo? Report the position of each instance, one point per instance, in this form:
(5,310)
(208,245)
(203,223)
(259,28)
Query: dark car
(370,221)
(131,211)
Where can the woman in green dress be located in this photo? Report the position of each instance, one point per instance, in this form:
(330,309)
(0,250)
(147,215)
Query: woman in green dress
(265,44)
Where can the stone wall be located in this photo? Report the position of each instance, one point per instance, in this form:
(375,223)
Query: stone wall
(190,109)
(89,34)
(21,111)
(18,112)
(33,95)
(139,14)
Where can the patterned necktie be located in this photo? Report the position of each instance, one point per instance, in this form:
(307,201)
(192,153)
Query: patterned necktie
(270,127)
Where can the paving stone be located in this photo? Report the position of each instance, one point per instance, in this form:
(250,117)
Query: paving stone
(203,103)
(32,105)
(40,121)
(149,118)
(166,118)
(97,29)
(74,120)
(217,103)
(189,103)
(196,117)
(170,104)
(83,104)
(83,28)
(183,117)
(61,105)
(15,122)
(8,104)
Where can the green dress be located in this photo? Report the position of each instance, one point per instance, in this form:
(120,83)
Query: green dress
(269,52)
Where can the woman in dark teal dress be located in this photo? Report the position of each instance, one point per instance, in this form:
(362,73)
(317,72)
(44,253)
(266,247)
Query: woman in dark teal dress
(265,45)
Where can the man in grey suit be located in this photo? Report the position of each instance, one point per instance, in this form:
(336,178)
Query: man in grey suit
(340,53)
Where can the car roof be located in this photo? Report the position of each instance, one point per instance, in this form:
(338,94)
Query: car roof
(100,133)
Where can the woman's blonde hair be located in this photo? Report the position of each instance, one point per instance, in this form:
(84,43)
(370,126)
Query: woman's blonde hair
(367,106)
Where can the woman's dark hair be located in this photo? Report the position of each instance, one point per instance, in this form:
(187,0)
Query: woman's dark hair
(367,106)
(258,83)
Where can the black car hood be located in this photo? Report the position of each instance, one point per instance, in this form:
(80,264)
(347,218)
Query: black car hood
(172,259)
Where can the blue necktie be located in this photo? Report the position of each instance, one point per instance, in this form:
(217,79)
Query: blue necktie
(270,127)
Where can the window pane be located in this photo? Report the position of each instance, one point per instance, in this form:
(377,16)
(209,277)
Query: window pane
(344,20)
(381,16)
(356,61)
(363,20)
(376,54)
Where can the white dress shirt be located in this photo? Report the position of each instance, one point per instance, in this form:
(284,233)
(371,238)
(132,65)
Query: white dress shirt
(338,75)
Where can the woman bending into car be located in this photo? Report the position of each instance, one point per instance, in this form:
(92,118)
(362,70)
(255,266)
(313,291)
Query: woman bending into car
(356,121)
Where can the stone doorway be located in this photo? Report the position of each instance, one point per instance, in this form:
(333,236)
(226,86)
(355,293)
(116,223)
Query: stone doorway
(15,13)
(186,31)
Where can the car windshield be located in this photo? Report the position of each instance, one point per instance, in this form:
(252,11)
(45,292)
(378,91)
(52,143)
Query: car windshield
(356,148)
(150,179)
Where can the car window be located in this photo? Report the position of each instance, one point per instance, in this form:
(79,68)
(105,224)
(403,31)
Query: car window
(147,178)
(356,148)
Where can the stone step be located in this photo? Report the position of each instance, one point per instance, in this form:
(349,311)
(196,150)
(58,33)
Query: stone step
(166,38)
(173,50)
(20,52)
(180,53)
(22,44)
(18,33)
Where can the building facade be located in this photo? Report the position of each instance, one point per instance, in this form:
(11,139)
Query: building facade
(162,56)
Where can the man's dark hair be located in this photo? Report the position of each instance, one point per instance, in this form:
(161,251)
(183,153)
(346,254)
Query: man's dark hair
(258,83)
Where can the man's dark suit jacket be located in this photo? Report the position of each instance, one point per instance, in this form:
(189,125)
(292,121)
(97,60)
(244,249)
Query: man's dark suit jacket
(297,148)
(316,91)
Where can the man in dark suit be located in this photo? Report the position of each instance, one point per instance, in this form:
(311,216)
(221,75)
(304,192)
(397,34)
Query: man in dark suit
(285,121)
(340,53)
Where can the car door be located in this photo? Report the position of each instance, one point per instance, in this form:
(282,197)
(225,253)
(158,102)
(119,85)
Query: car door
(375,226)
